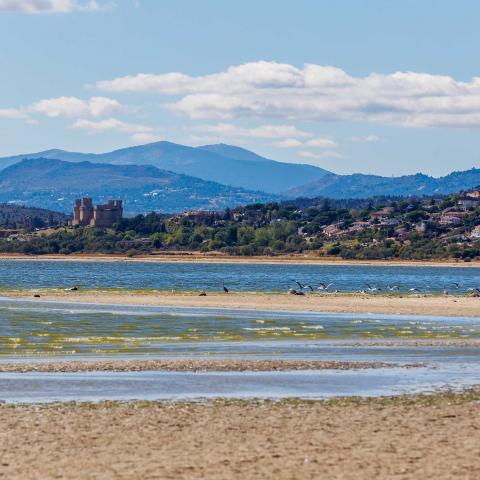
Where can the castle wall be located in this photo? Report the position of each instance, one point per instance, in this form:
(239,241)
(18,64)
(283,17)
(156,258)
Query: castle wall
(104,216)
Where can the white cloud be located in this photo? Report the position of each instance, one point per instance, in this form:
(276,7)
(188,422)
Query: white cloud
(146,137)
(53,6)
(326,154)
(227,130)
(321,143)
(75,107)
(288,143)
(314,92)
(111,124)
(12,113)
(367,139)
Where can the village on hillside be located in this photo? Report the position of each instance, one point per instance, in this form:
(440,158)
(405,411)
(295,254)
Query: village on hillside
(417,228)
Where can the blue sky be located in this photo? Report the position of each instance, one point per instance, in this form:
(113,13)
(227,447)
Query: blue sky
(385,87)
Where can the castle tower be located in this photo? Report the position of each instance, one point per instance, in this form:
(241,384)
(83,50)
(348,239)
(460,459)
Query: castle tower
(76,212)
(86,211)
(84,214)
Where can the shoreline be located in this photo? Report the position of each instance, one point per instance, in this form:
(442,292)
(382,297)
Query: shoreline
(195,257)
(428,437)
(454,306)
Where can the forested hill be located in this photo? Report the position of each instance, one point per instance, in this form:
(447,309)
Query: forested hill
(16,216)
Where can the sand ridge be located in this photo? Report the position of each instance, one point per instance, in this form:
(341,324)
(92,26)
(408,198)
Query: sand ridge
(334,303)
(195,365)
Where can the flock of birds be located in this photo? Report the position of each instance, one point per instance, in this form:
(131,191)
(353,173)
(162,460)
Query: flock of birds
(326,287)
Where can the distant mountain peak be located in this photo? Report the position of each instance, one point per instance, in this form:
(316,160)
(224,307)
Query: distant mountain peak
(232,151)
(221,163)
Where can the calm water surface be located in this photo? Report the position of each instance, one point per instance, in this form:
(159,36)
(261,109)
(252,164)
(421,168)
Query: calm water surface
(43,328)
(239,277)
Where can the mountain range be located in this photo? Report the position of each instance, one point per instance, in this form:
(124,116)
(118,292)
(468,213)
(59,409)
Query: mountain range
(359,185)
(168,177)
(55,184)
(220,163)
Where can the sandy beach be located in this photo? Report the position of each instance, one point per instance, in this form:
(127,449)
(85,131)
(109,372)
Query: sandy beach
(198,257)
(336,303)
(425,437)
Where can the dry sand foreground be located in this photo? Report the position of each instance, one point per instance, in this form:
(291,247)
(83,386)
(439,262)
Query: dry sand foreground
(427,438)
(354,303)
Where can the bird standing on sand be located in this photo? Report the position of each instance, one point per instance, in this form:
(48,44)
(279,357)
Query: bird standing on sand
(225,289)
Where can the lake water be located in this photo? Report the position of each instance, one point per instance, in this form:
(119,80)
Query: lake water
(37,331)
(45,331)
(238,277)
(31,327)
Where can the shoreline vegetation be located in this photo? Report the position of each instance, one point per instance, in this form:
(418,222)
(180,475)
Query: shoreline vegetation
(428,436)
(390,304)
(426,228)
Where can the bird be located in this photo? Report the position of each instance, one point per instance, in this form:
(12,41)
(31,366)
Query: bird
(373,289)
(71,289)
(203,294)
(393,287)
(322,286)
(303,286)
(457,285)
(445,292)
(473,290)
(225,289)
(414,290)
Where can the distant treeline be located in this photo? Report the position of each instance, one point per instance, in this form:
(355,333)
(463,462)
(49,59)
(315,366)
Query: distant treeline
(279,228)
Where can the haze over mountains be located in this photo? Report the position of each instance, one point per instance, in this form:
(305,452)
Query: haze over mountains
(224,164)
(55,184)
(167,177)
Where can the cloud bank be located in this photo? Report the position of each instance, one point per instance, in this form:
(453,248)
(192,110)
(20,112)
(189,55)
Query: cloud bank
(52,6)
(270,90)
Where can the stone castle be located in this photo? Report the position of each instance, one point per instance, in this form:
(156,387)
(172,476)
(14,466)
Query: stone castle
(85,214)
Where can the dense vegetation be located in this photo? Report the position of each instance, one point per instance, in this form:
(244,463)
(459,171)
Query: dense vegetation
(16,216)
(411,230)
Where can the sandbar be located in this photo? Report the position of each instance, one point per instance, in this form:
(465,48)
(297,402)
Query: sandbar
(217,257)
(334,303)
(187,366)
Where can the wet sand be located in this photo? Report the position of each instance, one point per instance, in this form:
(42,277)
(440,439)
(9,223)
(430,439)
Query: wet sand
(335,303)
(425,437)
(186,366)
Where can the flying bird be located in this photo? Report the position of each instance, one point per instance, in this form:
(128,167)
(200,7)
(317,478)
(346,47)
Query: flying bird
(303,286)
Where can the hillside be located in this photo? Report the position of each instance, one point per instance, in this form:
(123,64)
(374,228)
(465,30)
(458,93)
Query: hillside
(55,184)
(364,186)
(221,163)
(13,216)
